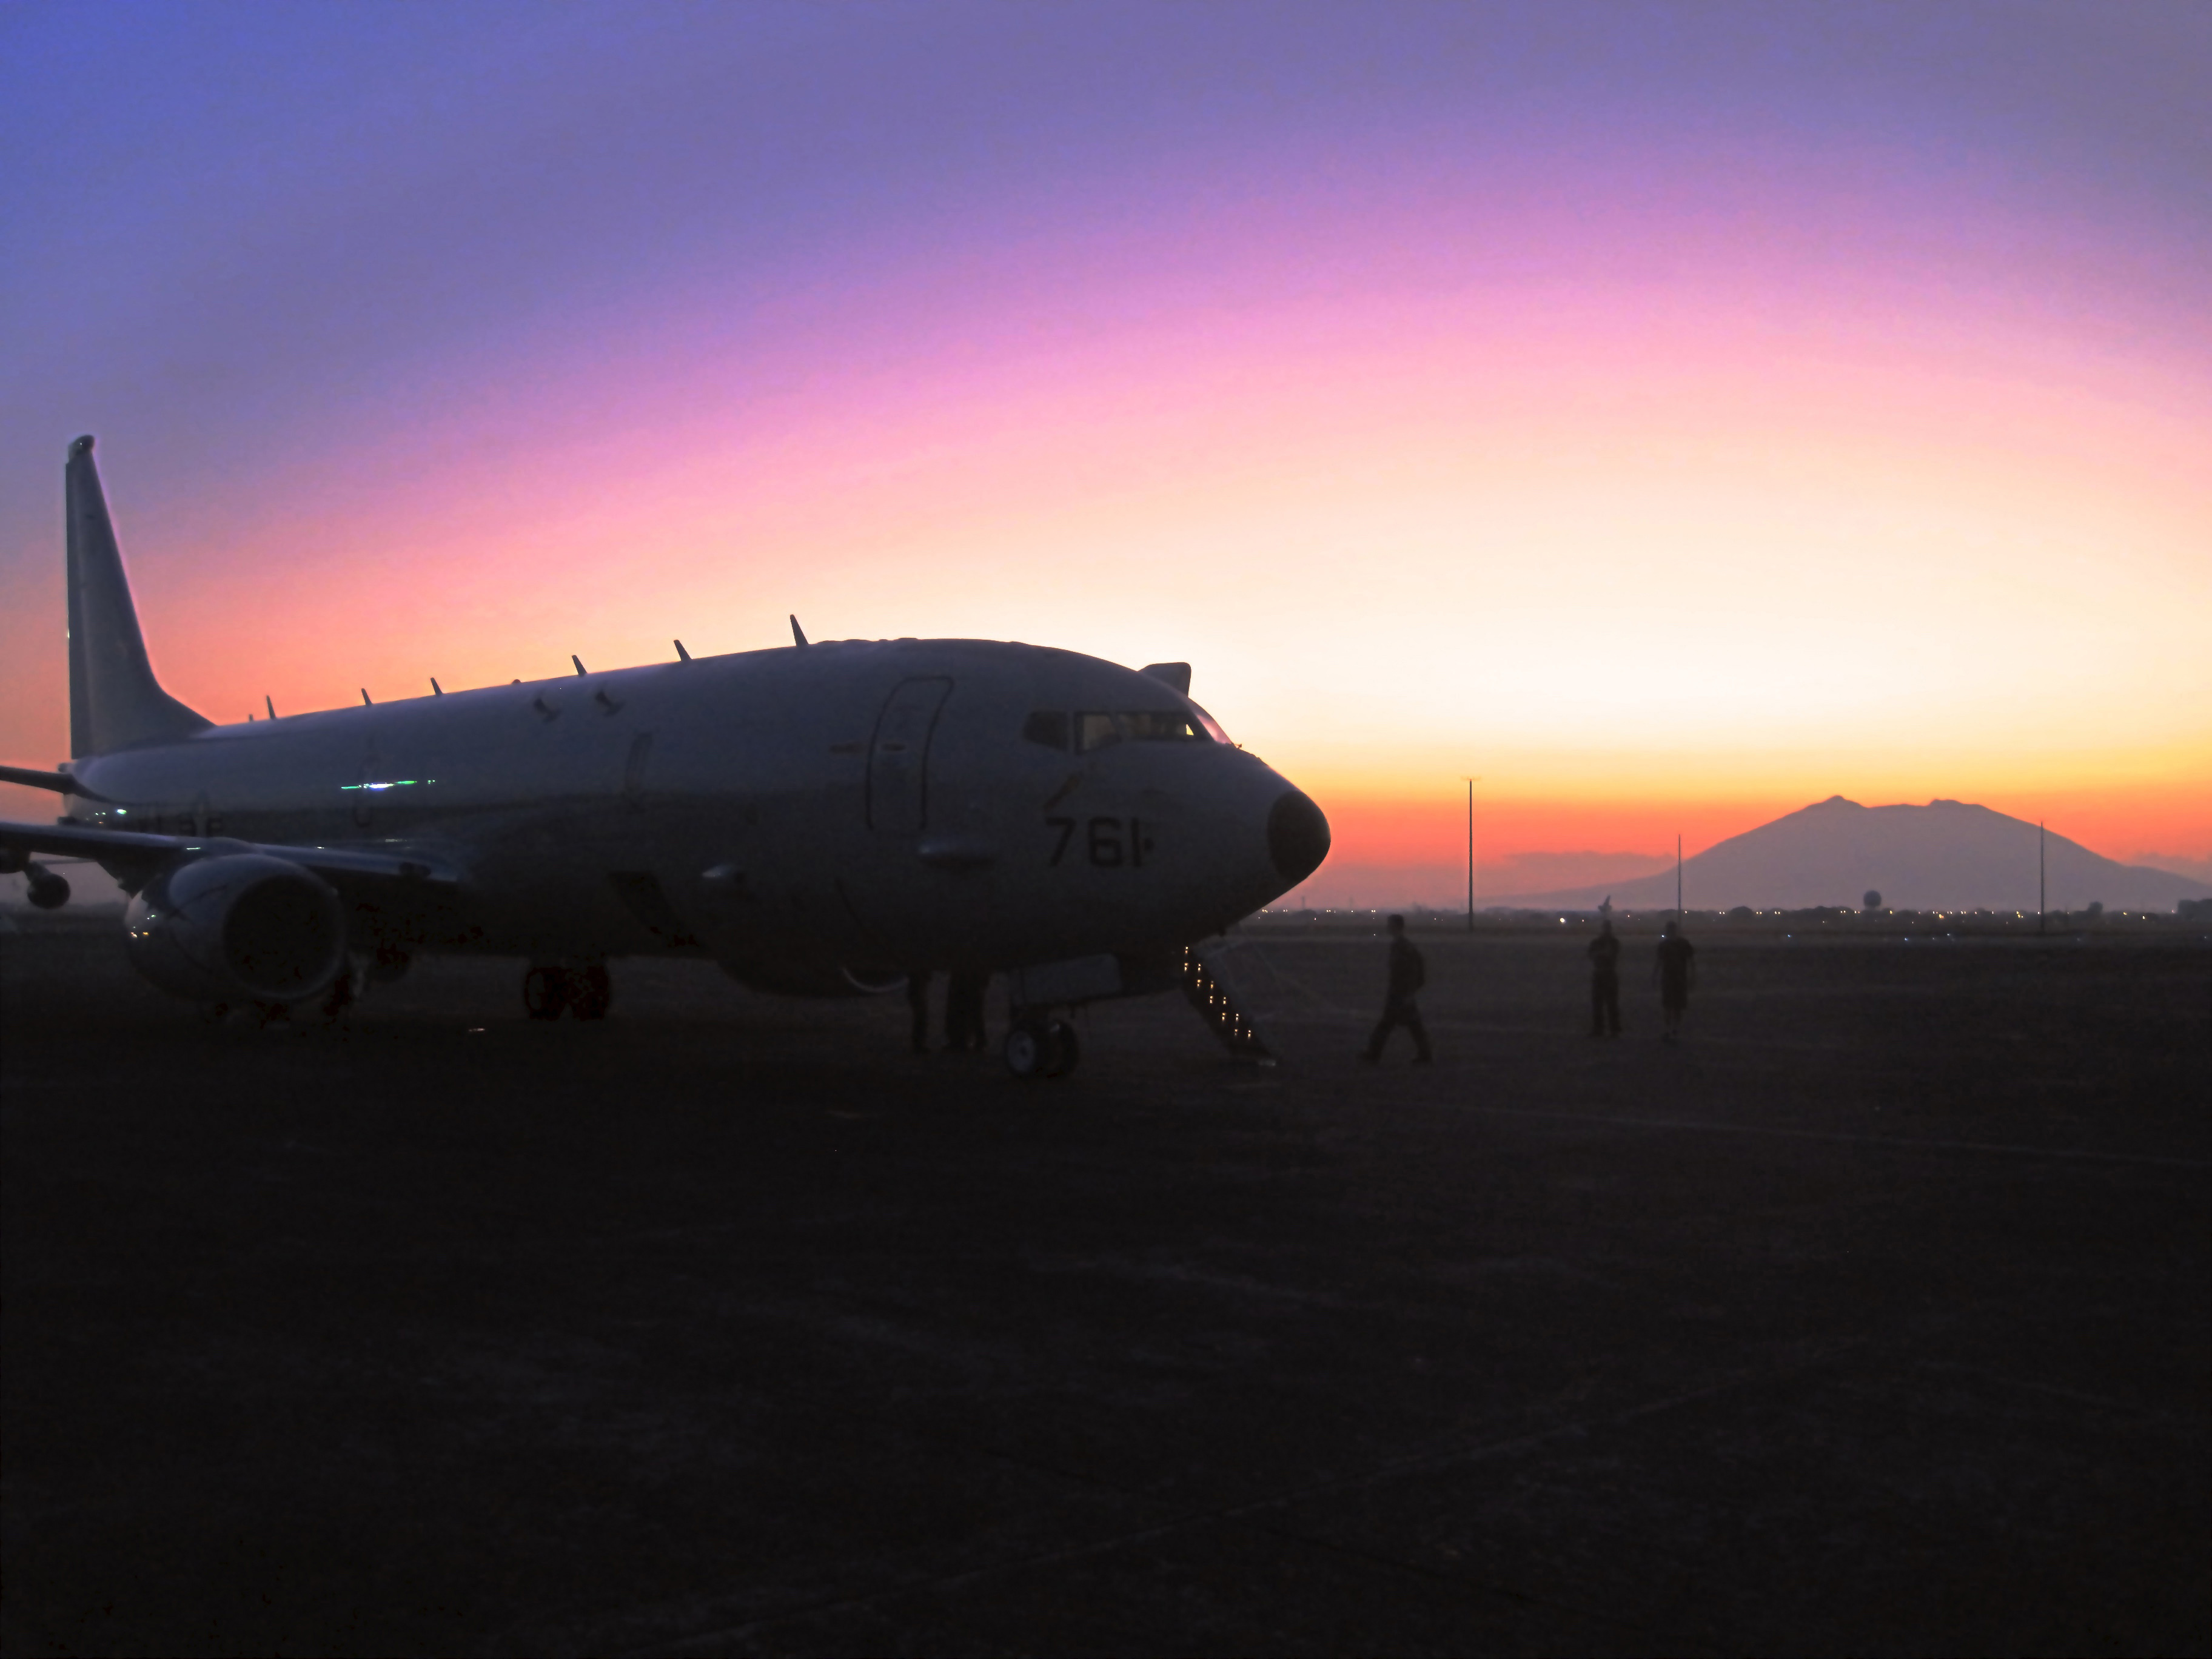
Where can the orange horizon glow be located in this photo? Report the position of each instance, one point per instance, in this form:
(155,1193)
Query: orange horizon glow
(1404,847)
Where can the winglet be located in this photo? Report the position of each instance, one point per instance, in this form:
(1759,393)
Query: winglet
(114,699)
(798,635)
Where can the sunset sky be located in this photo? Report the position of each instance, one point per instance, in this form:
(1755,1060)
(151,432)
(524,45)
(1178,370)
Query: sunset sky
(1672,414)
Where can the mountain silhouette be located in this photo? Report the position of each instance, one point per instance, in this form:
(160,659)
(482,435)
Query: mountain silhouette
(1947,856)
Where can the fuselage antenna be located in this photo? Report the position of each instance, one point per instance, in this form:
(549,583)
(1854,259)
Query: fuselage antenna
(681,655)
(364,698)
(579,661)
(798,633)
(436,690)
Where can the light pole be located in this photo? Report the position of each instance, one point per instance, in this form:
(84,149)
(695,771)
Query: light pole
(1470,782)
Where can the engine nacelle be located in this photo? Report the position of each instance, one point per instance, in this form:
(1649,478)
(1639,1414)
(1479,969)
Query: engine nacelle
(45,889)
(238,927)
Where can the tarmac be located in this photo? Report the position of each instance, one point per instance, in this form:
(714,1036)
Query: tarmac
(1875,1316)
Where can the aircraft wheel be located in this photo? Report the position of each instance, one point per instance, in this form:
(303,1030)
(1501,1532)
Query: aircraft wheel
(590,993)
(546,992)
(1062,1050)
(1028,1049)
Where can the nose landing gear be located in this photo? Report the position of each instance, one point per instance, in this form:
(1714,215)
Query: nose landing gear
(1037,1046)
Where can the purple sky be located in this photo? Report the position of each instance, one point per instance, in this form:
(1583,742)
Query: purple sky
(404,329)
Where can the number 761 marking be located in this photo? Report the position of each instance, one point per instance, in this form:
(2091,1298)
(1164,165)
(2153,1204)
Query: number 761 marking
(1108,843)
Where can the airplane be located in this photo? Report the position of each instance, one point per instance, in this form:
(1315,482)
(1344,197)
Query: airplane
(823,818)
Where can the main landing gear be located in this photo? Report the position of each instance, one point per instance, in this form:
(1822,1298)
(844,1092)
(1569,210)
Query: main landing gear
(549,990)
(1037,1046)
(343,993)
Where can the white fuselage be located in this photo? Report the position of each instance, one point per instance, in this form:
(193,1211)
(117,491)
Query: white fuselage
(863,805)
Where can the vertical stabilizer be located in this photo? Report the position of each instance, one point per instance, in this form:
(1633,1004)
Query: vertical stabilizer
(115,702)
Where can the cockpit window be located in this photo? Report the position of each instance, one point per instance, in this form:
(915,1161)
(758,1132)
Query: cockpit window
(1047,726)
(1096,731)
(1211,725)
(1149,727)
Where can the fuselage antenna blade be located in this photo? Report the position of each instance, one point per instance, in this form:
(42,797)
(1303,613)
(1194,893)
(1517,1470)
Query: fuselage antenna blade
(579,661)
(681,655)
(798,633)
(365,702)
(269,702)
(436,690)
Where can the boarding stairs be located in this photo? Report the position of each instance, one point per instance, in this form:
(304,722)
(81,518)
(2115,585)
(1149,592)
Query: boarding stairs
(1217,983)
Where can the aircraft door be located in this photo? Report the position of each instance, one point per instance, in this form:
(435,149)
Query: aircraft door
(898,759)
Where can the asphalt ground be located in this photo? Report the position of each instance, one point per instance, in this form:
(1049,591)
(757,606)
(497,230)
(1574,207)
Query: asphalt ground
(1873,1317)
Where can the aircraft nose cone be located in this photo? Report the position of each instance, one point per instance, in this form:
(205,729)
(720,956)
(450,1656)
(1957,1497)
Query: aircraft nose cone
(1298,835)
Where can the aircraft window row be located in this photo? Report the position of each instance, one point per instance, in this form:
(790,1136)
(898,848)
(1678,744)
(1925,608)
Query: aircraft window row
(1095,730)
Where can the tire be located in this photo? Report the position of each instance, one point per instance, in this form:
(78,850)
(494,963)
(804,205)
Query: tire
(590,993)
(1062,1049)
(1027,1050)
(546,992)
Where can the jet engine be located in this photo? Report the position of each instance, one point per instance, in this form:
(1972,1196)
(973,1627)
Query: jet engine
(238,927)
(45,889)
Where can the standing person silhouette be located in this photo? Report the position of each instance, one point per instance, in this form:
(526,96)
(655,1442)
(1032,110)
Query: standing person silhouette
(1675,969)
(1605,981)
(964,1011)
(917,1002)
(1408,974)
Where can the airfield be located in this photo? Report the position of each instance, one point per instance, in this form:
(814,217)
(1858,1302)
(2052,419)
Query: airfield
(1875,1317)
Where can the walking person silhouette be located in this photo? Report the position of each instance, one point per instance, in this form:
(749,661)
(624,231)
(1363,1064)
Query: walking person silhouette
(1408,974)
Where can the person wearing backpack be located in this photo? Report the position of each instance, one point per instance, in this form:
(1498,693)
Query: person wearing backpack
(1408,974)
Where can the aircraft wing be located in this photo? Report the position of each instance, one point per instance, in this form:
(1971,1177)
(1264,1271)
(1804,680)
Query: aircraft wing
(132,849)
(32,777)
